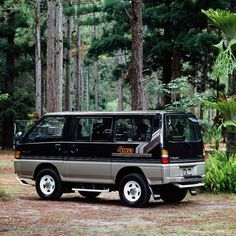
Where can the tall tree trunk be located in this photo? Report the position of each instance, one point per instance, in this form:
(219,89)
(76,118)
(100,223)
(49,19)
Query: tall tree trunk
(54,56)
(87,88)
(120,95)
(193,74)
(50,55)
(95,75)
(78,74)
(38,68)
(68,62)
(96,86)
(119,58)
(202,88)
(144,95)
(176,72)
(59,56)
(136,66)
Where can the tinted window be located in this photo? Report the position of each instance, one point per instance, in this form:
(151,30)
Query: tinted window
(50,127)
(181,128)
(133,129)
(92,129)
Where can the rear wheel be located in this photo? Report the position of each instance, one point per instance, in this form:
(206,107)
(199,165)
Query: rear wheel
(89,195)
(134,191)
(48,185)
(172,194)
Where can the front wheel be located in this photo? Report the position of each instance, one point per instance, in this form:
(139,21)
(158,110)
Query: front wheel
(48,185)
(134,191)
(172,194)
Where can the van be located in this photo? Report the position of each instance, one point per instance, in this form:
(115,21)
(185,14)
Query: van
(139,154)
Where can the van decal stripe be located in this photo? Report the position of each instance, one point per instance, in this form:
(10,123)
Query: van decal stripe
(147,147)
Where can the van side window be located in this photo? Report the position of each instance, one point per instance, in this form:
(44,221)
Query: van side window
(92,129)
(133,129)
(48,128)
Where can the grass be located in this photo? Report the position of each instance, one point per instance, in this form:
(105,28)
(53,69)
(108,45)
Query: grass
(6,163)
(5,195)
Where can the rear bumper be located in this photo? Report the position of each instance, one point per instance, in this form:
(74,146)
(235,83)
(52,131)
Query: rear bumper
(190,185)
(174,173)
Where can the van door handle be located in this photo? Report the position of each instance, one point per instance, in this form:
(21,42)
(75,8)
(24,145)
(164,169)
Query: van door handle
(74,151)
(58,147)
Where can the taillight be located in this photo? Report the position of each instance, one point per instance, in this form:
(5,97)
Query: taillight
(17,154)
(165,157)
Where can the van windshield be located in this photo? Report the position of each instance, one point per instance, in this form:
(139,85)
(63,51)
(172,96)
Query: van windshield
(181,128)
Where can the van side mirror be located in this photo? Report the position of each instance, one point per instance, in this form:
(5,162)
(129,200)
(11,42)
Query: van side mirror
(18,135)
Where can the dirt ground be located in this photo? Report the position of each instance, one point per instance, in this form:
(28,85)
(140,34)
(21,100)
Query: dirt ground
(26,214)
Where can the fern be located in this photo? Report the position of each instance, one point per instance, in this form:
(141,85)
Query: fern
(221,173)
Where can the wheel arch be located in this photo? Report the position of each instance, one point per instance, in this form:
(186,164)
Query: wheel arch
(43,166)
(128,170)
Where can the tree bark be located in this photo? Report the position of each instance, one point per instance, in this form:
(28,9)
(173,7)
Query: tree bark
(38,68)
(68,62)
(54,56)
(95,75)
(119,58)
(136,66)
(50,55)
(87,89)
(59,56)
(176,72)
(96,86)
(78,73)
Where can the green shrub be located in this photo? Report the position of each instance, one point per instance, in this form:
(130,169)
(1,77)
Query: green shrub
(4,195)
(221,173)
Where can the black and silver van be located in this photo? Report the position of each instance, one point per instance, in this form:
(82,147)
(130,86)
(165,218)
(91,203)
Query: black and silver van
(137,153)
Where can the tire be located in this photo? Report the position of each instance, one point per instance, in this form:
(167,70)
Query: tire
(172,194)
(89,195)
(134,190)
(48,185)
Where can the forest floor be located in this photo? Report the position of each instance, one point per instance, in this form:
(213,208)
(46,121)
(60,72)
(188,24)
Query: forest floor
(26,214)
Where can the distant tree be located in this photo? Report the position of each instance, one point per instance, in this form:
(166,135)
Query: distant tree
(38,64)
(68,57)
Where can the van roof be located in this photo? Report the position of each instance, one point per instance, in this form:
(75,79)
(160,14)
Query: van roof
(105,113)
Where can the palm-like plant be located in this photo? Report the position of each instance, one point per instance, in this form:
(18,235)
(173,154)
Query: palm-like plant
(225,63)
(223,68)
(227,109)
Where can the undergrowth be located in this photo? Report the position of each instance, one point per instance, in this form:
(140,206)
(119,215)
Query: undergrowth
(221,173)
